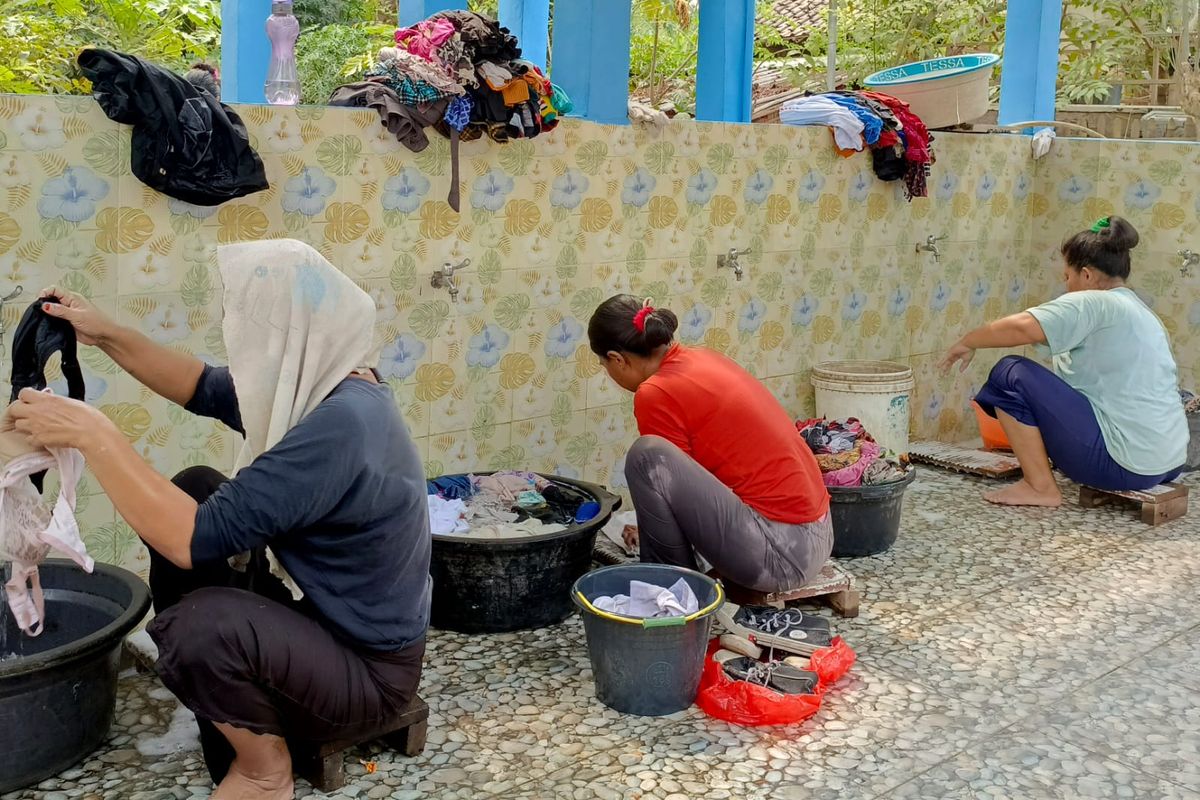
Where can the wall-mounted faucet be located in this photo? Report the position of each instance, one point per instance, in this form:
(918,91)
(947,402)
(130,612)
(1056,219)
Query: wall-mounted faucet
(13,295)
(1190,259)
(931,246)
(444,278)
(730,260)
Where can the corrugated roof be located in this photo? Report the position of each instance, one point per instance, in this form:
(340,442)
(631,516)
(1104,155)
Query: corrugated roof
(793,18)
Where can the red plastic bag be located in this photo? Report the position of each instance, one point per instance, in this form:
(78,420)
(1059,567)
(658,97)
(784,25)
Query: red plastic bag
(752,705)
(832,663)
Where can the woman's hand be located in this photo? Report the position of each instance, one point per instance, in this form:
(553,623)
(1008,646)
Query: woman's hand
(52,421)
(92,326)
(630,535)
(960,354)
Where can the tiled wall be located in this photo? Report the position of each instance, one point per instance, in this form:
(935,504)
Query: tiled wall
(503,378)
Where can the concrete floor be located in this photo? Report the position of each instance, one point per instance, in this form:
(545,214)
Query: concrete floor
(1002,654)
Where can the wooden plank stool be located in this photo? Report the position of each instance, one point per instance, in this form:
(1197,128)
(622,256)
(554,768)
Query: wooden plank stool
(832,584)
(1159,504)
(324,765)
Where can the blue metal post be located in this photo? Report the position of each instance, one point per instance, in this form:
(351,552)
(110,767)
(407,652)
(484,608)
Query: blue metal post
(726,60)
(413,11)
(1029,74)
(245,50)
(591,57)
(529,20)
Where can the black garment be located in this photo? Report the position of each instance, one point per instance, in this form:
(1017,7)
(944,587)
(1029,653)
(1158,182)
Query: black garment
(889,163)
(186,143)
(234,648)
(483,39)
(341,502)
(38,337)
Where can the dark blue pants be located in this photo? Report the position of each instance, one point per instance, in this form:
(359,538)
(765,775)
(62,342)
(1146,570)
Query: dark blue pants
(1035,396)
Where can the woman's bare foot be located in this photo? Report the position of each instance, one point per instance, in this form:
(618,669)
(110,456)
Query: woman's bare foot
(1022,494)
(237,786)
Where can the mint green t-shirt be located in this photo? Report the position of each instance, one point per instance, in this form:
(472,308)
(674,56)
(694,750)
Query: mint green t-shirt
(1111,348)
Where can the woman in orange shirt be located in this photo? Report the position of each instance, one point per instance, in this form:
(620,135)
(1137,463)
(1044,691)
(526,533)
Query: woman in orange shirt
(719,470)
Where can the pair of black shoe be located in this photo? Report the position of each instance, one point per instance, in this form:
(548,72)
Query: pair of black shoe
(783,678)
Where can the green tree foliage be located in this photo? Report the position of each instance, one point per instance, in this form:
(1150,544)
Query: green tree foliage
(39,39)
(1103,41)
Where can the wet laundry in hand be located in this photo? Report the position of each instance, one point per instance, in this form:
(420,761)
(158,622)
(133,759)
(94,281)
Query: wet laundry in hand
(614,530)
(1191,402)
(648,601)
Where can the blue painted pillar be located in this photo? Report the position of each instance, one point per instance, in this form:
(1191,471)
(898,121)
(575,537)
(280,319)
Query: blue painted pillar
(726,60)
(529,20)
(1029,74)
(245,50)
(413,11)
(591,57)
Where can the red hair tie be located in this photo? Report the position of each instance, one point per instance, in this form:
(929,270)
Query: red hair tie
(639,319)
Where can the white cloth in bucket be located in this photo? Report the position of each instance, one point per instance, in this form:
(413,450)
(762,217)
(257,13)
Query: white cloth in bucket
(27,530)
(647,601)
(294,327)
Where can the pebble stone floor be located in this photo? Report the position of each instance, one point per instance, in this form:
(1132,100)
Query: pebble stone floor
(1002,654)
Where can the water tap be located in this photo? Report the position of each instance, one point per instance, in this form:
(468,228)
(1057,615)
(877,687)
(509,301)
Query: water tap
(730,260)
(931,246)
(1190,259)
(444,278)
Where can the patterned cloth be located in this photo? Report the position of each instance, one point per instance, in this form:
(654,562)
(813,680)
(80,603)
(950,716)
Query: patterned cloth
(295,327)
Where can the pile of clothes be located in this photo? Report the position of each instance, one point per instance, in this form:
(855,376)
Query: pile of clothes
(462,74)
(505,505)
(847,454)
(900,144)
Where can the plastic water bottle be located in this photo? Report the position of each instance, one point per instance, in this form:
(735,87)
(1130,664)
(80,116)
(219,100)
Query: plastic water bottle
(283,85)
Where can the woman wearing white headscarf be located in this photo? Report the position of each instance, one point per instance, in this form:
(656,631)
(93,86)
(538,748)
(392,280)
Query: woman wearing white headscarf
(291,599)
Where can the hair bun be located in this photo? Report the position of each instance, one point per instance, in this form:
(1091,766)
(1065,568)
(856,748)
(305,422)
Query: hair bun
(1120,235)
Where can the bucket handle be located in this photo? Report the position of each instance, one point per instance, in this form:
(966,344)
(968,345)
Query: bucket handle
(662,622)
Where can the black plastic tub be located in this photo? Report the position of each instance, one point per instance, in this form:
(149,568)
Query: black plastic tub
(501,585)
(58,694)
(866,519)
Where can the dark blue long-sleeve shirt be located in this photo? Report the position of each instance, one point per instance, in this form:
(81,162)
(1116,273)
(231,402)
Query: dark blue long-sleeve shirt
(340,500)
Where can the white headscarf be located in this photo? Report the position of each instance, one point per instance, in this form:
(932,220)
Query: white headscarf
(295,327)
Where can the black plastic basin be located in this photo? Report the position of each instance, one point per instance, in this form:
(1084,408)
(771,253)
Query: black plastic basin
(866,519)
(501,585)
(58,694)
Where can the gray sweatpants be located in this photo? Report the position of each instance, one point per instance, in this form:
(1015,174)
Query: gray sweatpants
(682,509)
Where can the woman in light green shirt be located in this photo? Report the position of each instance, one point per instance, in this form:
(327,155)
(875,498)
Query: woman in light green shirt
(1109,415)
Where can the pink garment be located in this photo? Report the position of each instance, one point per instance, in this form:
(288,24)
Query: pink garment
(852,475)
(27,535)
(424,38)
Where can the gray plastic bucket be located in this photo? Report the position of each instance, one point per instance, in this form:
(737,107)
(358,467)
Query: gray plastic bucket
(651,667)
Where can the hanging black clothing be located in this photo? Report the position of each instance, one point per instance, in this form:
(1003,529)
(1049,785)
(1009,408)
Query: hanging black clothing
(186,143)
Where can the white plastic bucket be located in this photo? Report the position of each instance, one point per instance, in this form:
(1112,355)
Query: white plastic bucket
(874,392)
(943,92)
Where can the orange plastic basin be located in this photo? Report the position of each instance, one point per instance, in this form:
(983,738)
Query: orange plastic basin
(990,430)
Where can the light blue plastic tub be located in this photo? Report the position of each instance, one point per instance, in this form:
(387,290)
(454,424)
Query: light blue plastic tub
(943,92)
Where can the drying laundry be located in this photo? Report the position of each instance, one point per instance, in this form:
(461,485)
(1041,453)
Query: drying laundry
(461,74)
(186,143)
(648,601)
(847,455)
(847,127)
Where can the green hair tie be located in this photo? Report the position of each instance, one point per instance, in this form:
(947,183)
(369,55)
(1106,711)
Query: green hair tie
(1101,224)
